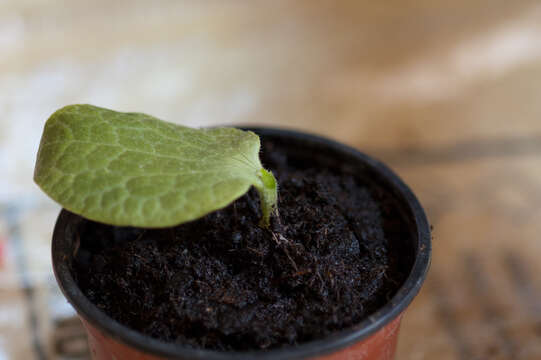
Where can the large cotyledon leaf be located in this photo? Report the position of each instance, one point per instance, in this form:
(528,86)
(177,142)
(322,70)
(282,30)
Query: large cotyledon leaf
(133,169)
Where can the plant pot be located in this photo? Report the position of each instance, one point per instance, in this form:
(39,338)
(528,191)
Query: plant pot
(373,338)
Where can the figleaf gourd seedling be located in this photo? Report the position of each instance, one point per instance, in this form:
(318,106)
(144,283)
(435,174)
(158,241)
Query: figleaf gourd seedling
(132,169)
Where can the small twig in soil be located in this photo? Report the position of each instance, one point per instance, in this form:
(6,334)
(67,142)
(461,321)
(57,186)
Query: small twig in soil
(282,242)
(301,273)
(260,253)
(140,235)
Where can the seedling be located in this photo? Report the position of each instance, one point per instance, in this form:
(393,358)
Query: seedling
(132,169)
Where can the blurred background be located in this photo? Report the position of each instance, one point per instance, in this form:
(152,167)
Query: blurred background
(448,93)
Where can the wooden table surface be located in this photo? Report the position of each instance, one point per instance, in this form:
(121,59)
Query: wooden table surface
(446,92)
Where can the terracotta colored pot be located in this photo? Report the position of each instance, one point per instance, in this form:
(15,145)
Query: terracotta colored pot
(371,339)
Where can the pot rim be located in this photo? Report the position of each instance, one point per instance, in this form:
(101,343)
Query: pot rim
(338,340)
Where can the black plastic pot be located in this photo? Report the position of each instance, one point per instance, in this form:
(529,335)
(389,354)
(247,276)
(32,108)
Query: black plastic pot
(373,338)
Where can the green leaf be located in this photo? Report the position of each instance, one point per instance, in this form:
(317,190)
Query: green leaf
(133,169)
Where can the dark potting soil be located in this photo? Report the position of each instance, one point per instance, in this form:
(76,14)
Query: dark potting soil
(335,256)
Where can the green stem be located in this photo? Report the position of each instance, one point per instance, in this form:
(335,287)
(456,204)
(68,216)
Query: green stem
(268,195)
